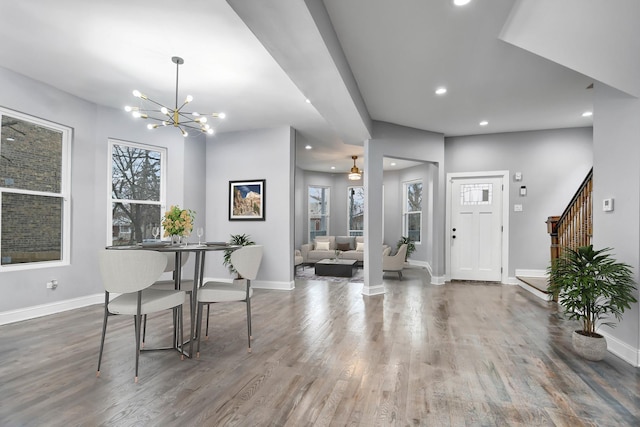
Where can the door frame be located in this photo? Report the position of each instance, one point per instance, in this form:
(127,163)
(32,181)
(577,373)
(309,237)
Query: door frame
(504,174)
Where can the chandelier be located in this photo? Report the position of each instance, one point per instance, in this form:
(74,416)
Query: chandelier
(355,173)
(167,116)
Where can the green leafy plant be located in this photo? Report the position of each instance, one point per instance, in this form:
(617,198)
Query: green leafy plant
(411,246)
(236,240)
(591,286)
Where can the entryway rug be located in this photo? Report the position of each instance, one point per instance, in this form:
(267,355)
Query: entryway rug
(308,273)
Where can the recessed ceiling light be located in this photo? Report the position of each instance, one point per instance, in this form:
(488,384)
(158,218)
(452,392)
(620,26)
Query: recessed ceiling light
(461,2)
(333,167)
(308,101)
(393,163)
(484,123)
(441,91)
(308,147)
(587,114)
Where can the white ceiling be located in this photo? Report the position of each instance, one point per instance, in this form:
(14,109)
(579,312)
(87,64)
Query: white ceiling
(398,52)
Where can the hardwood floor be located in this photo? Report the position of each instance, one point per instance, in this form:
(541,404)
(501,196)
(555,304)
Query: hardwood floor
(323,354)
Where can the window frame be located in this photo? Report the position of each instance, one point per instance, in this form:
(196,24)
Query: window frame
(327,216)
(406,213)
(64,194)
(163,184)
(349,230)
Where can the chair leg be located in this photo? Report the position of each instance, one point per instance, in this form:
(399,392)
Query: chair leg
(199,328)
(181,330)
(137,320)
(104,330)
(249,323)
(144,330)
(206,334)
(137,325)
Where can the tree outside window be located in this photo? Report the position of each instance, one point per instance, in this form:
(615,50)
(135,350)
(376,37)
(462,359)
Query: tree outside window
(412,215)
(318,211)
(355,211)
(136,192)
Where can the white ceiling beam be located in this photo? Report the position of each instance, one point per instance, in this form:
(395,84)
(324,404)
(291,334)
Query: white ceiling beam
(300,37)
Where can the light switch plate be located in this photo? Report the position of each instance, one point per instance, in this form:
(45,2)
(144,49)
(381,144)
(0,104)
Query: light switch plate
(607,205)
(517,208)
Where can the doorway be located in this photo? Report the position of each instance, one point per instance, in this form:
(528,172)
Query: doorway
(477,226)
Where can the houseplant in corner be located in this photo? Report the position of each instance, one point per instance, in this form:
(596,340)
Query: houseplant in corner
(411,246)
(591,286)
(236,240)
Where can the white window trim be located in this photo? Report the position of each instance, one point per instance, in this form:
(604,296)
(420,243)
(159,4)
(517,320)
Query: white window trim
(405,186)
(327,215)
(163,182)
(65,193)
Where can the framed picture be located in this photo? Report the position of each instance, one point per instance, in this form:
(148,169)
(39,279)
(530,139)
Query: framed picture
(247,200)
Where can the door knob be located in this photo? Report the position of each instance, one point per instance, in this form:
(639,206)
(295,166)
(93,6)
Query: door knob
(454,229)
(453,237)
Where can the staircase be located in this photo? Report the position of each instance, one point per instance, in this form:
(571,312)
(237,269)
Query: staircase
(574,228)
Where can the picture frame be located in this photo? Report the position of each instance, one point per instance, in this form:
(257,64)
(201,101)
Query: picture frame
(247,200)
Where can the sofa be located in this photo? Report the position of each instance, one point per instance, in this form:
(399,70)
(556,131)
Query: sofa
(350,247)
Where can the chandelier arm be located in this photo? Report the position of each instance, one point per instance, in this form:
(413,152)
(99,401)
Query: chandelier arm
(155,102)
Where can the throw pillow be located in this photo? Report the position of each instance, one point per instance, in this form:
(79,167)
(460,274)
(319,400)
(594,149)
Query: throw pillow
(343,246)
(347,239)
(360,246)
(322,246)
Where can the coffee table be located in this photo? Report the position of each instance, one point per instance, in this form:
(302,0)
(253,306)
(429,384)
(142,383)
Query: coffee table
(335,267)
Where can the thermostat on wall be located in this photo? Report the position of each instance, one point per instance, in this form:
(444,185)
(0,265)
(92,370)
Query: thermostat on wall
(607,205)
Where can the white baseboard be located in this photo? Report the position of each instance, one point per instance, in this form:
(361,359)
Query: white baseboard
(277,286)
(531,273)
(50,308)
(373,290)
(621,349)
(438,280)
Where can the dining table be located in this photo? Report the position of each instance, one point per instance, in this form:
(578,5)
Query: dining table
(200,250)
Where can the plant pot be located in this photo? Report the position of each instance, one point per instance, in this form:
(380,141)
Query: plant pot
(591,348)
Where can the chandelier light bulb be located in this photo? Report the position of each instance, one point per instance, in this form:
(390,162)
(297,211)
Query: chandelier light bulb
(222,115)
(172,116)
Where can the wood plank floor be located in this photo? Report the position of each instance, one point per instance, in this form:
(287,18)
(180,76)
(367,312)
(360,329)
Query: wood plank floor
(324,355)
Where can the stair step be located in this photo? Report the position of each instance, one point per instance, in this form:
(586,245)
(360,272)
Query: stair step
(540,283)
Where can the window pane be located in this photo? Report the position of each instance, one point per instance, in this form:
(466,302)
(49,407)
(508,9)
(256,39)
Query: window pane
(132,222)
(414,197)
(318,200)
(30,156)
(476,194)
(356,211)
(135,173)
(31,228)
(413,226)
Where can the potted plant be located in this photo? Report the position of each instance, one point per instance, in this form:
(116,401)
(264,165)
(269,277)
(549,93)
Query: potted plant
(591,286)
(411,246)
(236,240)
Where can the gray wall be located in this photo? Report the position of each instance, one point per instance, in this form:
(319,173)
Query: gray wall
(616,175)
(553,164)
(251,155)
(92,127)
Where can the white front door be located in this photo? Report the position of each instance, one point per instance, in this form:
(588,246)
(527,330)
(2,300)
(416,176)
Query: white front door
(476,228)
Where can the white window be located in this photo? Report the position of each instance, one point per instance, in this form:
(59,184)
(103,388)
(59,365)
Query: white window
(137,192)
(412,211)
(355,211)
(318,211)
(34,191)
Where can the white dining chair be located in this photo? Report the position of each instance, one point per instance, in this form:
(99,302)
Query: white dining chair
(246,261)
(130,273)
(169,284)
